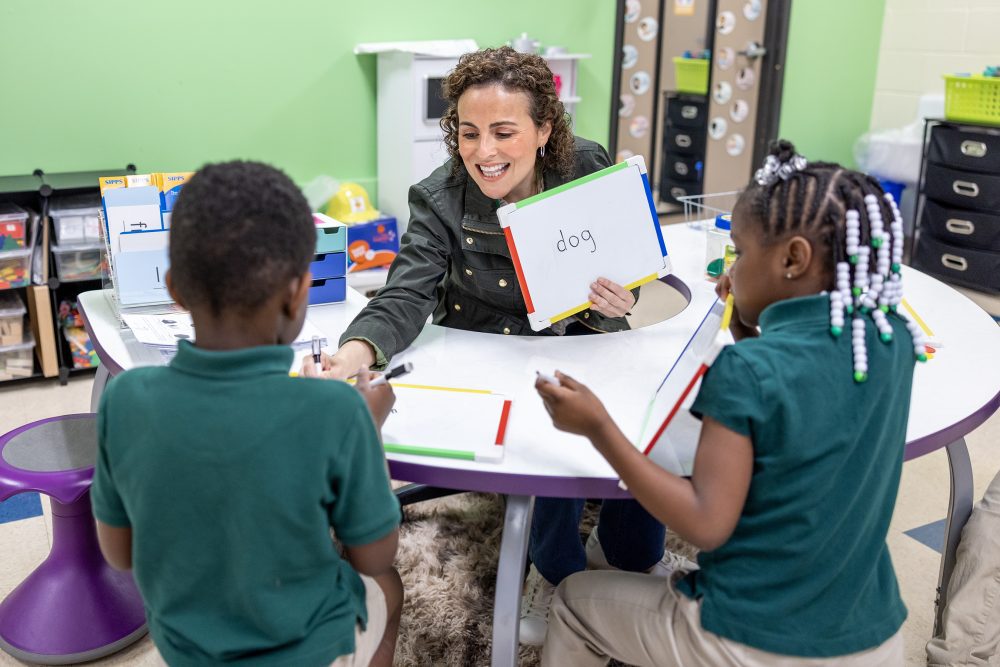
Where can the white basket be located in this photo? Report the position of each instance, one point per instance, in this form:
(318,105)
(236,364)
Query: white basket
(700,210)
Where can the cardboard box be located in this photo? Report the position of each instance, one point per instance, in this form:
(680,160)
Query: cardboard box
(372,244)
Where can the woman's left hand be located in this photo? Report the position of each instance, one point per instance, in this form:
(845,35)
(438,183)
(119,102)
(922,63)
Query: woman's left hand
(610,298)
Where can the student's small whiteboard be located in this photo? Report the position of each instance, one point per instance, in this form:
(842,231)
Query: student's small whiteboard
(560,241)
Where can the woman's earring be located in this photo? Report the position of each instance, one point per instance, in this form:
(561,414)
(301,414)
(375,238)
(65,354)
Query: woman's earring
(788,276)
(541,151)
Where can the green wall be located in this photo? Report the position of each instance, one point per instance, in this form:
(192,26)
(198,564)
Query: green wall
(171,85)
(833,51)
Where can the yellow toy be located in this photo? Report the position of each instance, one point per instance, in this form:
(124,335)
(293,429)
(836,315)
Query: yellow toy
(351,205)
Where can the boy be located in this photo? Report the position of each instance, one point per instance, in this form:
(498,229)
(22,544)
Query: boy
(220,476)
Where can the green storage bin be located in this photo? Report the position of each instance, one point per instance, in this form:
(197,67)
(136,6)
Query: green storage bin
(692,75)
(973,99)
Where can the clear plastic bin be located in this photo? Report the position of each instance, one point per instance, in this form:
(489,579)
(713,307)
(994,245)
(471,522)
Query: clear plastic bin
(79,262)
(13,227)
(76,220)
(11,319)
(15,268)
(17,361)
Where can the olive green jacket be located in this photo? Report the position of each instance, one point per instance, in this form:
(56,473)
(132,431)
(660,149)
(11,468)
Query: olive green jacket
(453,261)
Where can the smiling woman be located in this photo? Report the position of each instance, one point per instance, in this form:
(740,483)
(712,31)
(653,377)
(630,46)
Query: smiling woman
(509,138)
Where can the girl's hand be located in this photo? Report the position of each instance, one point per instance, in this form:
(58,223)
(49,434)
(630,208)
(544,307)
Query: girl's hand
(610,298)
(739,330)
(380,399)
(573,407)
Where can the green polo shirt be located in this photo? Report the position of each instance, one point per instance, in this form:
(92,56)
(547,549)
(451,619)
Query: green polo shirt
(807,571)
(231,474)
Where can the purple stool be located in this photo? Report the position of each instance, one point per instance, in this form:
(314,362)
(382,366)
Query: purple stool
(74,607)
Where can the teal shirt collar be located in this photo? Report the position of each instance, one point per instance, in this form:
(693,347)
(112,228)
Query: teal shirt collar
(244,362)
(797,313)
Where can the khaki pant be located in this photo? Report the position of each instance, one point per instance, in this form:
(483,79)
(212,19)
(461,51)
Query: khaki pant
(365,641)
(641,620)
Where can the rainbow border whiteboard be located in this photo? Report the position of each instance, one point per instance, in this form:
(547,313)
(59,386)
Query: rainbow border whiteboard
(616,206)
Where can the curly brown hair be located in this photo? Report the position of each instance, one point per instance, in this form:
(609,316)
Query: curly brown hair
(523,72)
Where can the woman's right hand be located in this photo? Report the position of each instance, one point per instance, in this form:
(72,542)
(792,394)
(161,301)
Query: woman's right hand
(351,356)
(739,330)
(380,399)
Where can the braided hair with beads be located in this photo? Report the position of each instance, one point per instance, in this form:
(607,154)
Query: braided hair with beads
(846,213)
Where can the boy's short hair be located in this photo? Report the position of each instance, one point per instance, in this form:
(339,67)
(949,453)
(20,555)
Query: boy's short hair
(239,232)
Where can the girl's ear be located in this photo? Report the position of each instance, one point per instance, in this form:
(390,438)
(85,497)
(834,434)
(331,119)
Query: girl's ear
(798,257)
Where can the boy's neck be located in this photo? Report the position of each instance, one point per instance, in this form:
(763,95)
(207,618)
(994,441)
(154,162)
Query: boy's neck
(234,331)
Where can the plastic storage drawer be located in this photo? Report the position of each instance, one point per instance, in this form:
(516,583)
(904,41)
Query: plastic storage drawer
(965,189)
(331,239)
(15,268)
(76,219)
(671,190)
(978,269)
(330,290)
(687,111)
(682,167)
(75,263)
(11,319)
(332,265)
(968,229)
(13,227)
(17,361)
(965,149)
(684,141)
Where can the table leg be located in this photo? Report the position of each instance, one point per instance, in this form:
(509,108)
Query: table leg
(959,509)
(510,576)
(100,381)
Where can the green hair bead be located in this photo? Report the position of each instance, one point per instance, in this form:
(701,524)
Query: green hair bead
(922,357)
(860,376)
(836,331)
(856,291)
(886,337)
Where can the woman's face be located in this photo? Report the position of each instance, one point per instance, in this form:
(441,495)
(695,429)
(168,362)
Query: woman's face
(499,142)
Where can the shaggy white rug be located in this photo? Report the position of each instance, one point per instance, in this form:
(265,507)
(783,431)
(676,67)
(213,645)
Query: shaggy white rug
(448,561)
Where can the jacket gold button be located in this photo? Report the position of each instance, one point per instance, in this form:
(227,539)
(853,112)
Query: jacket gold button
(458,306)
(502,283)
(506,330)
(468,272)
(468,239)
(586,316)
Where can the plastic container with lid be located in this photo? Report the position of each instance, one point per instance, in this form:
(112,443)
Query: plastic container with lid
(79,262)
(719,250)
(15,268)
(11,319)
(13,227)
(17,361)
(76,219)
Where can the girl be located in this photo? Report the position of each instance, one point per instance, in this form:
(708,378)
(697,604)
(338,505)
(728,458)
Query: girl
(798,464)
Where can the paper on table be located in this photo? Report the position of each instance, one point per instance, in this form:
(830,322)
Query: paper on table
(165,330)
(414,426)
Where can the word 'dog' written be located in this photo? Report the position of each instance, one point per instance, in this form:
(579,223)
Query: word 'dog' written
(574,240)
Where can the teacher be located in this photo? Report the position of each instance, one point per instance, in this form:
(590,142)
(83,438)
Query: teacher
(509,138)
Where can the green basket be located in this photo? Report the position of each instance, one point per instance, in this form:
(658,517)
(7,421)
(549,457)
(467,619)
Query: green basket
(974,99)
(692,75)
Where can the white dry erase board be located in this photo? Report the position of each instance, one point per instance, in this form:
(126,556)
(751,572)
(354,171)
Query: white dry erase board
(414,425)
(560,241)
(670,433)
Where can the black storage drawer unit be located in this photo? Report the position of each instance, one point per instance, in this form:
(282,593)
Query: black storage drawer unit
(684,140)
(970,229)
(671,189)
(978,269)
(965,189)
(965,148)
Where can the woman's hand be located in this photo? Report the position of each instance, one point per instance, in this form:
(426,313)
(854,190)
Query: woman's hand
(573,407)
(610,298)
(739,330)
(380,399)
(351,355)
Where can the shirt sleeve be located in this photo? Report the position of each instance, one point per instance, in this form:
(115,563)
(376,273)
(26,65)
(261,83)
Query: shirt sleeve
(396,315)
(730,394)
(107,504)
(365,509)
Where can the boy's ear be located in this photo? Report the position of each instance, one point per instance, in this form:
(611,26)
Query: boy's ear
(298,294)
(168,279)
(797,257)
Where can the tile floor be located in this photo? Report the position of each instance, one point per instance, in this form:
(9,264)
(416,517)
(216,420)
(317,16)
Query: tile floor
(913,537)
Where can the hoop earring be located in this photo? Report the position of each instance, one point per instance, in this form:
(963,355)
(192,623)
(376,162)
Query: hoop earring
(541,151)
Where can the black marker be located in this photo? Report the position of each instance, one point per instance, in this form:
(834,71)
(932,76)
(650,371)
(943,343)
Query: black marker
(402,369)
